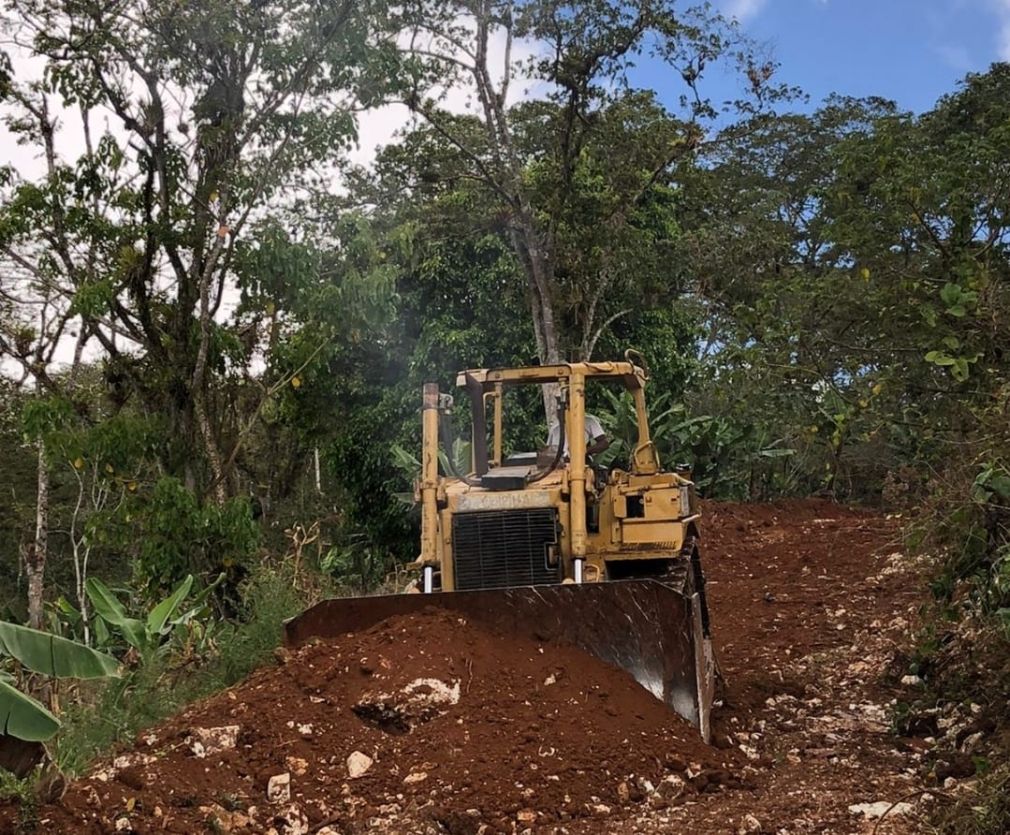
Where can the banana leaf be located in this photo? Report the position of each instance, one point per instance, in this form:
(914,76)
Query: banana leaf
(23,717)
(54,656)
(112,611)
(200,608)
(159,615)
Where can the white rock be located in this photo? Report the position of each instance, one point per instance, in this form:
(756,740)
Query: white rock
(358,764)
(292,821)
(123,825)
(213,740)
(279,788)
(415,777)
(880,808)
(971,742)
(433,691)
(128,760)
(911,681)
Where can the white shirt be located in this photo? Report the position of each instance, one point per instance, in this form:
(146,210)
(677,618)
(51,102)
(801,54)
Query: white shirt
(593,431)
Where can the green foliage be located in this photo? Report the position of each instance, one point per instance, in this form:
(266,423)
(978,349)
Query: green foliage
(22,716)
(983,808)
(724,458)
(149,634)
(166,683)
(355,564)
(53,656)
(181,535)
(21,792)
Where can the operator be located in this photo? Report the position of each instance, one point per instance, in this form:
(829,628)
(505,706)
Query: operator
(596,438)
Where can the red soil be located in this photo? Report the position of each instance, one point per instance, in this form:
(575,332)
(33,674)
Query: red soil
(541,737)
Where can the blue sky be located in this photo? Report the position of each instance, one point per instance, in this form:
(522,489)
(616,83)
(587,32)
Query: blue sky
(908,51)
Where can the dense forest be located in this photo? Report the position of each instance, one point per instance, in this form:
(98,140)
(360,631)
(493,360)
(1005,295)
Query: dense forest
(215,320)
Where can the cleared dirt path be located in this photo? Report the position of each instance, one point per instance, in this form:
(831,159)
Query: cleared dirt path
(811,602)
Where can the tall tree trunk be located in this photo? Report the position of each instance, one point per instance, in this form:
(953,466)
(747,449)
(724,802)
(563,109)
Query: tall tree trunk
(35,560)
(219,487)
(529,249)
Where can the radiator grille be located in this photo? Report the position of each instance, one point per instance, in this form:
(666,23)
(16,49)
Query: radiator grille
(500,549)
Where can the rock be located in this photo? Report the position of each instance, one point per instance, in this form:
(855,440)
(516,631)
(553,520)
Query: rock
(879,809)
(748,825)
(358,764)
(415,777)
(971,742)
(432,691)
(290,821)
(204,741)
(123,825)
(296,765)
(419,701)
(128,760)
(623,792)
(279,788)
(527,816)
(223,820)
(911,681)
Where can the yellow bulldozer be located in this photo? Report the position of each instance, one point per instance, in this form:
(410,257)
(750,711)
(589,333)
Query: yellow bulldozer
(548,545)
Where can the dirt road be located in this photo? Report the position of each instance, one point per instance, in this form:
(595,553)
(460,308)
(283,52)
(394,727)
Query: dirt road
(463,733)
(812,602)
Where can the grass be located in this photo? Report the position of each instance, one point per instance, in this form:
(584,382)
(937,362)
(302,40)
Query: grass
(158,688)
(21,793)
(981,809)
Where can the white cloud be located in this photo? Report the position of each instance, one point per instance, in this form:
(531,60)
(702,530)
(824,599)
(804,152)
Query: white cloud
(743,10)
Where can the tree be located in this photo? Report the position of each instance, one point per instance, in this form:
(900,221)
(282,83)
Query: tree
(540,162)
(216,114)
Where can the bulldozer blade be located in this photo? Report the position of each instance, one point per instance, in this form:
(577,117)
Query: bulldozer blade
(651,629)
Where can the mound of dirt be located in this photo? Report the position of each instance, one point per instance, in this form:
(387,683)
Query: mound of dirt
(423,723)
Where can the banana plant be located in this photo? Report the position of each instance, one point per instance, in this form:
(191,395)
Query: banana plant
(146,635)
(26,718)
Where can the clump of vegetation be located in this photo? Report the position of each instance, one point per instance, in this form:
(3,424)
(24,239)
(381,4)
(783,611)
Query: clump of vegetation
(982,808)
(165,682)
